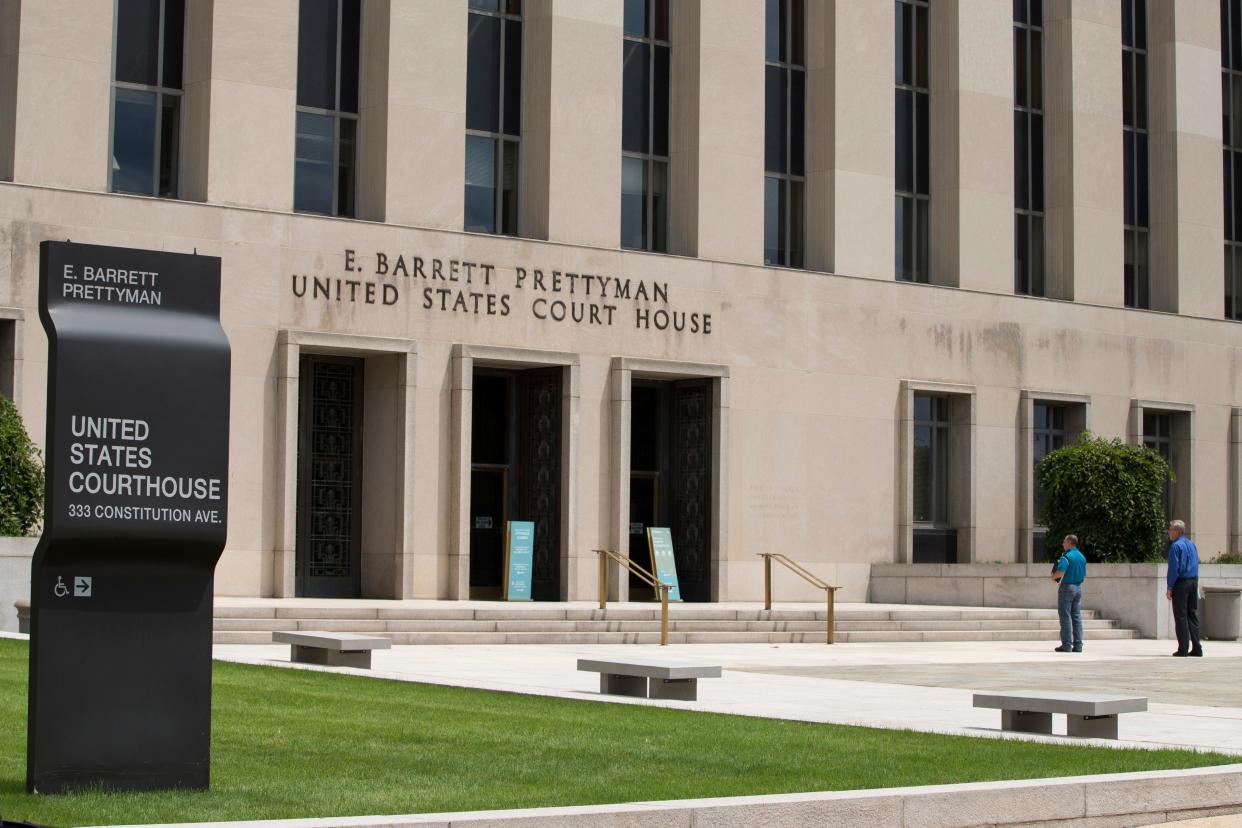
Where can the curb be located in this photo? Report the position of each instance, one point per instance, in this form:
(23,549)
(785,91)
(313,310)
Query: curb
(1128,799)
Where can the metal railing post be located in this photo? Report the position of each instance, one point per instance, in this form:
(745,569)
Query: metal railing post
(767,582)
(603,578)
(664,614)
(801,571)
(832,595)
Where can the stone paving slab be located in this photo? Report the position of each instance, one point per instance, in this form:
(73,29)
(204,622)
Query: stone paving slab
(1198,682)
(757,681)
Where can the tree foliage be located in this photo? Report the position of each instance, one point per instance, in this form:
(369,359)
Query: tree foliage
(21,475)
(1109,494)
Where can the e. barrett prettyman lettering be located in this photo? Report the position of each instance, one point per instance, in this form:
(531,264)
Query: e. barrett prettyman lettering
(479,289)
(111,284)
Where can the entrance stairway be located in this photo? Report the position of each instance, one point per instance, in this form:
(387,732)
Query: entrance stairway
(252,621)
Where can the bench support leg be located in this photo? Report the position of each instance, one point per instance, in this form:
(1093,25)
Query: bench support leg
(1026,722)
(331,658)
(1092,727)
(680,689)
(615,685)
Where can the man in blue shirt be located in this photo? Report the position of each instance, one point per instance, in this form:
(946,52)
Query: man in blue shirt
(1183,590)
(1070,572)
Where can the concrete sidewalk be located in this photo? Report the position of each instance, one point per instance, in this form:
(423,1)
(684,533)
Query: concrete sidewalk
(1194,703)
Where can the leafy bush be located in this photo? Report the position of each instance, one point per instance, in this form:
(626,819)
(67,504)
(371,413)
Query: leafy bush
(21,475)
(1227,558)
(1109,494)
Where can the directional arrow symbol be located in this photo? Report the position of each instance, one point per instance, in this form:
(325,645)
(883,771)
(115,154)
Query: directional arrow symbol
(82,587)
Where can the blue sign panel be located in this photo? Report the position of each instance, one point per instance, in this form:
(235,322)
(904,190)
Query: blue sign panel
(660,541)
(519,559)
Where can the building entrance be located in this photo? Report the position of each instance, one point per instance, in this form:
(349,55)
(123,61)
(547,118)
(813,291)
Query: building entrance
(329,526)
(515,474)
(671,479)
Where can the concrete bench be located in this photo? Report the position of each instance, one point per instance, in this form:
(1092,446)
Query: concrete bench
(653,678)
(1086,714)
(332,649)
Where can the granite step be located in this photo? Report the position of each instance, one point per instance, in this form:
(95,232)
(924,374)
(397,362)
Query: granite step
(693,637)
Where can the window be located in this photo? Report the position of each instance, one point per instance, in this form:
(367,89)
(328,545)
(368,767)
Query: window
(493,115)
(644,126)
(1231,91)
(1158,436)
(146,97)
(913,186)
(329,33)
(784,155)
(1049,435)
(1134,119)
(1028,147)
(931,460)
(8,358)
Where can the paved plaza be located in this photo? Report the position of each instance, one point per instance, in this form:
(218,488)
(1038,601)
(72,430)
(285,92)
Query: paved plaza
(1195,703)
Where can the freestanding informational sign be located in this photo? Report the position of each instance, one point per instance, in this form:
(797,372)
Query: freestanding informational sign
(137,498)
(519,559)
(660,542)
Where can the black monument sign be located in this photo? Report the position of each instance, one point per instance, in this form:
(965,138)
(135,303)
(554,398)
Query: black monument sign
(137,497)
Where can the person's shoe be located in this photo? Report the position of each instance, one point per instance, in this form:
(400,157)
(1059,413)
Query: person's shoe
(1076,650)
(1197,653)
(1180,654)
(1063,649)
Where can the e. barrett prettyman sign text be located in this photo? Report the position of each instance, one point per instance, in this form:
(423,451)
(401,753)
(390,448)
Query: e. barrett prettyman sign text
(481,289)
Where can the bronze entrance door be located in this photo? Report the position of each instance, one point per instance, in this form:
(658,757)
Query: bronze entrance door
(671,479)
(329,530)
(515,475)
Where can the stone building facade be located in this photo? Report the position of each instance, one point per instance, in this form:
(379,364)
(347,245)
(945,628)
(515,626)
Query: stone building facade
(822,278)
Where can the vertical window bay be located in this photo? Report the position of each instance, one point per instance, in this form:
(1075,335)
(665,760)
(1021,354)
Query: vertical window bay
(493,115)
(785,133)
(146,97)
(645,126)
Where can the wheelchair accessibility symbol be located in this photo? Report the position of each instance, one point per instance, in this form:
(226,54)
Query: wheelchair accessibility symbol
(82,587)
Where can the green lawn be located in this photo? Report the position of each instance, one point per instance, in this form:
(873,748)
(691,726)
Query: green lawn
(397,747)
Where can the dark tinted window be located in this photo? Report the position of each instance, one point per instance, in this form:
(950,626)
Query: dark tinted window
(660,102)
(133,142)
(483,73)
(174,43)
(314,171)
(317,21)
(138,41)
(351,36)
(513,77)
(634,96)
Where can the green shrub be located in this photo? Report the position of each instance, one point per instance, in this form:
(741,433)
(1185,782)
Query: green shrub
(1227,558)
(21,475)
(1110,495)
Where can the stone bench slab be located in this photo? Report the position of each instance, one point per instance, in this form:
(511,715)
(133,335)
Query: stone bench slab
(1077,704)
(1092,715)
(650,668)
(655,679)
(332,649)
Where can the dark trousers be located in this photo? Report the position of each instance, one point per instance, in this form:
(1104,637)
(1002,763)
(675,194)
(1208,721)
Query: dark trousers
(1186,614)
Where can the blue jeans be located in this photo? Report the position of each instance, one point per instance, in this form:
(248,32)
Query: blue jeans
(1069,608)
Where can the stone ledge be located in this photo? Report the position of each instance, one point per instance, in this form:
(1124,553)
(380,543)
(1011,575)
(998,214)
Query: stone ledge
(1069,802)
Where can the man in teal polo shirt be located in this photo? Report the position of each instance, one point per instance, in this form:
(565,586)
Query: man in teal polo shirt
(1070,572)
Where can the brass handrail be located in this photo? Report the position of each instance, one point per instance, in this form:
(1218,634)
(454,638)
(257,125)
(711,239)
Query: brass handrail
(829,590)
(644,574)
